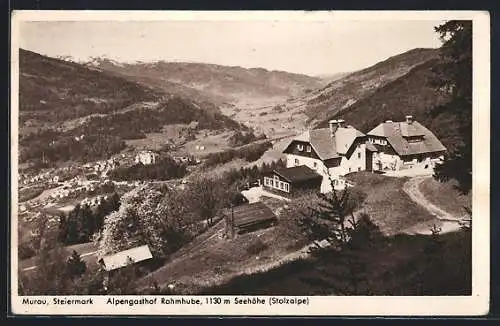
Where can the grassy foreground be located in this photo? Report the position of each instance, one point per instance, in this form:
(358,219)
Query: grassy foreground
(401,265)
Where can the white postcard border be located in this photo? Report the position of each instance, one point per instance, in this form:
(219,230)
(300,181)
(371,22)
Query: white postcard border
(476,304)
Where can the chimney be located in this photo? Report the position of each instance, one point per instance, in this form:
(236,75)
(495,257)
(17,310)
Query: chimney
(333,126)
(340,123)
(409,119)
(388,121)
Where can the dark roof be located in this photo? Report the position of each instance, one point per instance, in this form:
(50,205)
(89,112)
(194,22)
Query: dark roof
(298,174)
(252,213)
(397,133)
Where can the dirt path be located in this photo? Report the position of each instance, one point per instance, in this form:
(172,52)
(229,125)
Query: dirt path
(446,221)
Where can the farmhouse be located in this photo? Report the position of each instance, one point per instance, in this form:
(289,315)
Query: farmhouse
(331,152)
(292,180)
(404,145)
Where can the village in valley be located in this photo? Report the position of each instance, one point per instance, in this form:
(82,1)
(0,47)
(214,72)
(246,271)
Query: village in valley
(332,187)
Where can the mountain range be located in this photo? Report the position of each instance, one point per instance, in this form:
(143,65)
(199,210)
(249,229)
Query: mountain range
(222,85)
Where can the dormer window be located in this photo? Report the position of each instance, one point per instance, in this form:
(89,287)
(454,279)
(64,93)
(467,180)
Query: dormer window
(300,147)
(414,139)
(308,148)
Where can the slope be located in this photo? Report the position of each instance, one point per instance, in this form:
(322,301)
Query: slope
(69,112)
(53,90)
(342,93)
(414,93)
(219,84)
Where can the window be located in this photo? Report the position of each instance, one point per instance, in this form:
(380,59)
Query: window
(349,169)
(308,148)
(300,147)
(296,161)
(287,187)
(359,168)
(359,154)
(315,164)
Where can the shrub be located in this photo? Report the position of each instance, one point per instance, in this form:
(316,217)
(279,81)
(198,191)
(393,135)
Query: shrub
(25,251)
(250,153)
(256,247)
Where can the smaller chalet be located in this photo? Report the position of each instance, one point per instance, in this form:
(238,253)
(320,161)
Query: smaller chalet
(251,217)
(290,180)
(125,258)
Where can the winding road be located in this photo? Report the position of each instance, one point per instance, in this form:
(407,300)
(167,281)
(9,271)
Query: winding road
(446,221)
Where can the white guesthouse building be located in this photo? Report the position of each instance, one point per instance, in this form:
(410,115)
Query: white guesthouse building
(338,150)
(332,152)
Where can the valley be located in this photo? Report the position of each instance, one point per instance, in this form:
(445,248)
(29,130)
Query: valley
(160,155)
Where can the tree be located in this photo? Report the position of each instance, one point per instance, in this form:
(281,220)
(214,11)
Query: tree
(341,268)
(207,197)
(48,278)
(333,219)
(457,78)
(123,280)
(75,266)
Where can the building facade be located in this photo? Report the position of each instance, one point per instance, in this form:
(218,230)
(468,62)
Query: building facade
(332,152)
(292,180)
(404,145)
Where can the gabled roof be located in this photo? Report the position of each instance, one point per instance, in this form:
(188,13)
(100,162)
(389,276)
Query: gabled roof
(344,137)
(126,257)
(298,174)
(397,133)
(252,213)
(326,146)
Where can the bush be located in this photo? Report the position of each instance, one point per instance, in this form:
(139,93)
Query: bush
(250,153)
(256,247)
(240,138)
(278,109)
(25,251)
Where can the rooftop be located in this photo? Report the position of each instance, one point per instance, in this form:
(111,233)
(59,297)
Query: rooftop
(126,257)
(298,174)
(328,147)
(397,134)
(252,213)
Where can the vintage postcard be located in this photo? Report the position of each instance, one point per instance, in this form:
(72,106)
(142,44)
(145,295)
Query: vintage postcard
(250,163)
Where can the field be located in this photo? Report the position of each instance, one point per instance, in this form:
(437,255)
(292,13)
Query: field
(446,196)
(269,116)
(388,205)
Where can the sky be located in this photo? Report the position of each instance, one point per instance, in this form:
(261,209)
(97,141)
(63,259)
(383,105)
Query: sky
(309,47)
